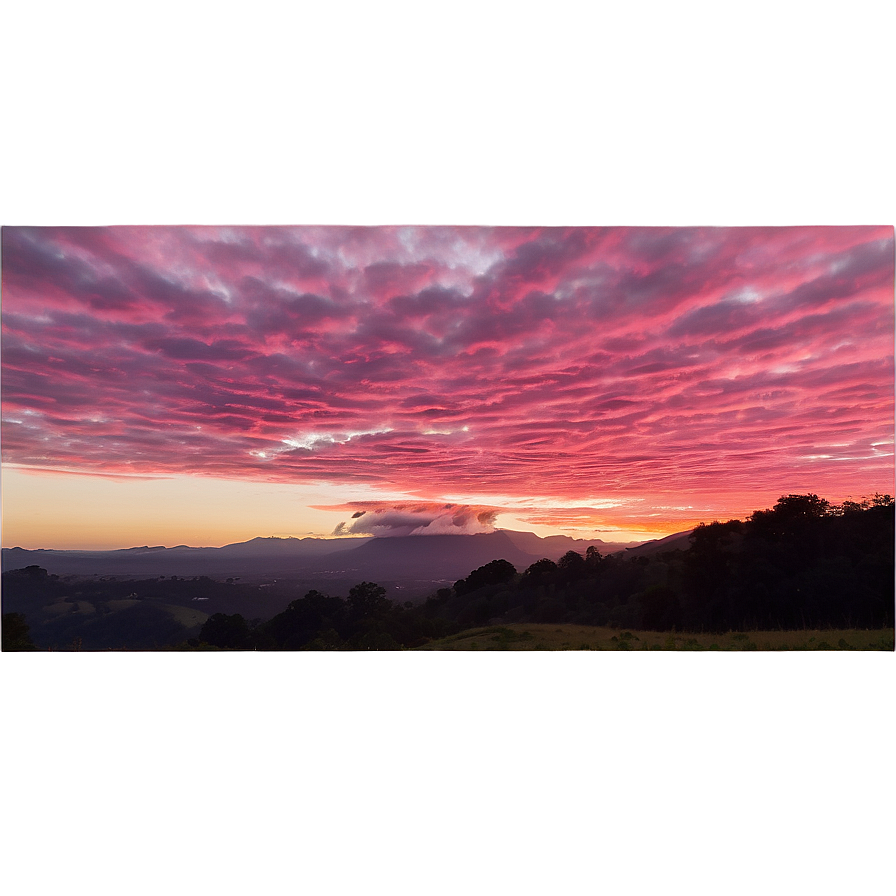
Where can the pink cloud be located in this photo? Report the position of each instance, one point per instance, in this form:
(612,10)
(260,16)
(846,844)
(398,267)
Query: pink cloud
(414,518)
(574,363)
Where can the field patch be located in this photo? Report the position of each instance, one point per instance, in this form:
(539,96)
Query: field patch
(525,636)
(186,616)
(118,605)
(58,608)
(83,607)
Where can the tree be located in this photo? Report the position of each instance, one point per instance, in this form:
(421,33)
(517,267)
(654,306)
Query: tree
(592,556)
(230,632)
(660,609)
(16,634)
(540,571)
(707,571)
(852,507)
(495,573)
(304,618)
(368,599)
(573,566)
(792,507)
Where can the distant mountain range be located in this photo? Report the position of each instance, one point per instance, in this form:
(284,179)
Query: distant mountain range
(427,560)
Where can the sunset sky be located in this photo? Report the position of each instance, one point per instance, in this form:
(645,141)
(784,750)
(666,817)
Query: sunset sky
(203,385)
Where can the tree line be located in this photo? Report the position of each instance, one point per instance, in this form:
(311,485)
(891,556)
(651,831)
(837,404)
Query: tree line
(804,563)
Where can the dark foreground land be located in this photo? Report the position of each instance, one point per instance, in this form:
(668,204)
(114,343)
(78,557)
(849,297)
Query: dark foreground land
(584,637)
(804,575)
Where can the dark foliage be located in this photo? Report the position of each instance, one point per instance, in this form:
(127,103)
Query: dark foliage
(221,630)
(803,563)
(108,613)
(16,634)
(493,573)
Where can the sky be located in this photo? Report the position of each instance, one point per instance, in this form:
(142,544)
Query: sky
(203,385)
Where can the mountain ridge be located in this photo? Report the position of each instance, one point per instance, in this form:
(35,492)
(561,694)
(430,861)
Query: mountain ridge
(427,561)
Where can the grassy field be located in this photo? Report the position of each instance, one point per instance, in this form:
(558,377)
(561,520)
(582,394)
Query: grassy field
(523,636)
(186,616)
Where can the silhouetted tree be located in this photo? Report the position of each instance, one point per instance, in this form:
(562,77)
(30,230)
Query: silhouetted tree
(16,633)
(495,573)
(540,571)
(368,600)
(221,630)
(660,609)
(789,511)
(852,507)
(572,567)
(592,557)
(303,619)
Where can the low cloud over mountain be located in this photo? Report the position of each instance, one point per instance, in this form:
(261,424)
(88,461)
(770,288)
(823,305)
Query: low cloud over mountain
(424,518)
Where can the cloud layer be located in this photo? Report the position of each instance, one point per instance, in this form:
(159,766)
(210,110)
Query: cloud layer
(420,518)
(655,368)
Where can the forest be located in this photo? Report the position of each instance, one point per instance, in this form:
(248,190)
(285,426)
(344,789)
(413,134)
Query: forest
(803,564)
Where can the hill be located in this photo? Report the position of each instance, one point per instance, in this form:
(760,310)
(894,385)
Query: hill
(555,546)
(680,541)
(802,564)
(417,562)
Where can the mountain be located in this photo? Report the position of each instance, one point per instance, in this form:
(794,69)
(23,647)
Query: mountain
(679,541)
(435,557)
(421,562)
(287,547)
(257,557)
(555,546)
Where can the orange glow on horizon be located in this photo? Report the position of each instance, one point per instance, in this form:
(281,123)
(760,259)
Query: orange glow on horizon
(224,383)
